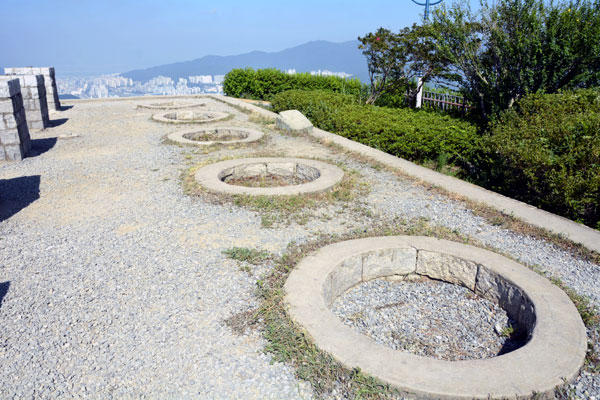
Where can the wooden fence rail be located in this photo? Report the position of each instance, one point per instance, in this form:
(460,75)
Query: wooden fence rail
(444,101)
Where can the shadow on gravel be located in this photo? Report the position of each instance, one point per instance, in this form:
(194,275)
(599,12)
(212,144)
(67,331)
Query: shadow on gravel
(17,193)
(3,290)
(40,146)
(58,122)
(515,341)
(65,108)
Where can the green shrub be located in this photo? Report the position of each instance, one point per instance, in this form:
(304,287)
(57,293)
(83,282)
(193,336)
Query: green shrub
(237,82)
(415,135)
(263,84)
(546,151)
(397,98)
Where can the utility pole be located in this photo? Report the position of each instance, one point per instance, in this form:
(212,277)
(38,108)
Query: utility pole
(426,4)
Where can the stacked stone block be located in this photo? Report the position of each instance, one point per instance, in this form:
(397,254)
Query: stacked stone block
(33,93)
(49,79)
(15,142)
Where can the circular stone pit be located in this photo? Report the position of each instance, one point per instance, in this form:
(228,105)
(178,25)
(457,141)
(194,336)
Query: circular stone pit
(320,176)
(220,135)
(172,105)
(190,117)
(554,352)
(430,318)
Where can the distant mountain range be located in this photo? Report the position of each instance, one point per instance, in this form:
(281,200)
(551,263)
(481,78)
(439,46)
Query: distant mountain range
(311,56)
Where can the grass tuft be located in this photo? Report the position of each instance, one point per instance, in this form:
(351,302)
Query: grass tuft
(244,254)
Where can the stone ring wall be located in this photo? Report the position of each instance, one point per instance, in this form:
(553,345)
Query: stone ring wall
(170,105)
(327,175)
(245,135)
(190,117)
(557,343)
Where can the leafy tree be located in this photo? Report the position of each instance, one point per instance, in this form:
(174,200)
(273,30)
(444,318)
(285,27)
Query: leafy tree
(511,48)
(395,60)
(385,61)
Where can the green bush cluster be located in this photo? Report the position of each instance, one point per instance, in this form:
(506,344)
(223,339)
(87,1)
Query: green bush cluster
(411,134)
(546,152)
(263,84)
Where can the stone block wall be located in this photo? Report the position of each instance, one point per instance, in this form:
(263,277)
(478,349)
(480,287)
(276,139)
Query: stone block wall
(33,93)
(49,79)
(15,142)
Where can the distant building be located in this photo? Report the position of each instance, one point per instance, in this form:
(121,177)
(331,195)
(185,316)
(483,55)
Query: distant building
(206,79)
(330,73)
(319,72)
(161,81)
(98,91)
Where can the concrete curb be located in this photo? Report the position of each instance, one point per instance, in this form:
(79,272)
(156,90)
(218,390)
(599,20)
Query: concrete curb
(555,352)
(578,233)
(253,136)
(209,177)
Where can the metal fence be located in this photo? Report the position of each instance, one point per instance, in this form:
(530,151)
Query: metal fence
(446,102)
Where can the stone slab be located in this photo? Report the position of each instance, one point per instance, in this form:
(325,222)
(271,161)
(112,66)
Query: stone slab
(450,269)
(9,87)
(293,121)
(49,71)
(389,262)
(347,275)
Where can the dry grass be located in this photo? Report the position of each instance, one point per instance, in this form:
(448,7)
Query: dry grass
(281,209)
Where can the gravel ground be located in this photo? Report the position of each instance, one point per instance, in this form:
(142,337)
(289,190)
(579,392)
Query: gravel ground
(112,280)
(409,316)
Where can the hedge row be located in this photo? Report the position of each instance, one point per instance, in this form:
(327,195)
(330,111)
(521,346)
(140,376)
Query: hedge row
(411,134)
(263,84)
(546,152)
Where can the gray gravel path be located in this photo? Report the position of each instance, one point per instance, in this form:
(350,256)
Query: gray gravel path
(112,281)
(409,316)
(118,288)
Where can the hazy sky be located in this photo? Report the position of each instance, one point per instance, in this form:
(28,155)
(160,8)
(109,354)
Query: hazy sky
(101,36)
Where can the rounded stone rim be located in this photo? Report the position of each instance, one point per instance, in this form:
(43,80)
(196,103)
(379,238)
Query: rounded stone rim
(253,136)
(555,352)
(218,116)
(157,106)
(208,177)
